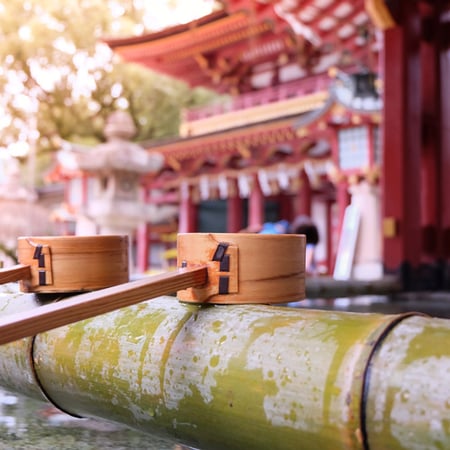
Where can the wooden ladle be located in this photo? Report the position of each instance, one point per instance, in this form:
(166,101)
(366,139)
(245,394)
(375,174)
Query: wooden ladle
(212,268)
(60,264)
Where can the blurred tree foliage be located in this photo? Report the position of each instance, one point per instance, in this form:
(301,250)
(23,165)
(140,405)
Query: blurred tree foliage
(58,81)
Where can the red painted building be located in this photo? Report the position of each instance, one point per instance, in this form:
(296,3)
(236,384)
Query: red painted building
(326,96)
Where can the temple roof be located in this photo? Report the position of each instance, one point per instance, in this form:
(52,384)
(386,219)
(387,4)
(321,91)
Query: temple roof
(252,44)
(284,139)
(276,55)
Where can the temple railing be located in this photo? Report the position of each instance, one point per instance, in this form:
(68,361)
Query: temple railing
(265,96)
(251,108)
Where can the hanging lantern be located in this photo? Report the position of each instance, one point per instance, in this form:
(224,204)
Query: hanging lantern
(359,149)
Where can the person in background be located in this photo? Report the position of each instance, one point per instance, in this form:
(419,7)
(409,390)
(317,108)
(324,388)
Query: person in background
(280,227)
(304,225)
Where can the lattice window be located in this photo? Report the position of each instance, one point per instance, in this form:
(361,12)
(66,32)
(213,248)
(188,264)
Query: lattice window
(353,148)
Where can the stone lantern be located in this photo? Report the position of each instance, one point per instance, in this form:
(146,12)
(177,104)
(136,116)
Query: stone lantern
(114,201)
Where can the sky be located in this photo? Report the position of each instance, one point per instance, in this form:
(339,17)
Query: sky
(161,15)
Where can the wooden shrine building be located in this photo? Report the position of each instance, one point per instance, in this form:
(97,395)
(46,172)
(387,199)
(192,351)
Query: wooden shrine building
(332,102)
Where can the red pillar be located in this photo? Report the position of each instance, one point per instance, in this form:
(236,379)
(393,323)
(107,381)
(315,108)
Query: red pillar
(402,142)
(331,256)
(142,240)
(84,189)
(234,211)
(142,247)
(431,178)
(255,205)
(187,219)
(343,200)
(444,166)
(303,200)
(286,210)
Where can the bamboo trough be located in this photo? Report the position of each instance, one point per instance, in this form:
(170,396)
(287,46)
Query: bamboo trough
(244,376)
(222,369)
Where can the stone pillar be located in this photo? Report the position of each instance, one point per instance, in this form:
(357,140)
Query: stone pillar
(368,251)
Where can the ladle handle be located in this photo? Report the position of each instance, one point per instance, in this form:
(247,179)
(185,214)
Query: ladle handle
(15,273)
(84,306)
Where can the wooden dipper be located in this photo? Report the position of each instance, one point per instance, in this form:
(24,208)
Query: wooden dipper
(244,268)
(60,264)
(224,268)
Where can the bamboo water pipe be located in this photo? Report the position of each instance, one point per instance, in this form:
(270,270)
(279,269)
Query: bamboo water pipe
(244,376)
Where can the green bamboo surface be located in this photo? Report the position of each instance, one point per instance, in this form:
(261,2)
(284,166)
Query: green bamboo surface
(408,403)
(16,367)
(243,377)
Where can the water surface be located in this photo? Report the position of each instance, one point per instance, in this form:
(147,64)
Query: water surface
(28,424)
